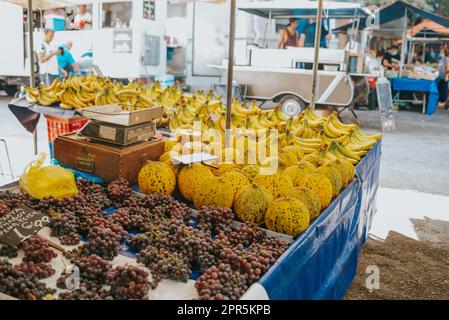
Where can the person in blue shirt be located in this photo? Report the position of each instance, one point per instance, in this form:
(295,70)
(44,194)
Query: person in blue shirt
(306,30)
(66,62)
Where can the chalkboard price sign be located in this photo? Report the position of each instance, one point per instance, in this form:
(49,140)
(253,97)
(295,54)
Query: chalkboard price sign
(21,223)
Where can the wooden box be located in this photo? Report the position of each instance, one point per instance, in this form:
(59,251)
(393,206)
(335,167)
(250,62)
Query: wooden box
(104,160)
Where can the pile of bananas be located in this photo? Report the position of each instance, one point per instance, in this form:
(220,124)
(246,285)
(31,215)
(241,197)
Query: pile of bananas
(82,92)
(309,132)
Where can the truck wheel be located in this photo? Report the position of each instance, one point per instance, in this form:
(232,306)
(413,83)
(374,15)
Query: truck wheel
(291,105)
(10,90)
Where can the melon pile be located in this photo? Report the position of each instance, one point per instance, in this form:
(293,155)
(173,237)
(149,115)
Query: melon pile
(285,200)
(282,185)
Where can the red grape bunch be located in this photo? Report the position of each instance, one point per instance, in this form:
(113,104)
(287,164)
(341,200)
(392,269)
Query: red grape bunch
(128,282)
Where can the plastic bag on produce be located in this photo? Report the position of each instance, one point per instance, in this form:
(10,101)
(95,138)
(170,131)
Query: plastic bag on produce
(42,181)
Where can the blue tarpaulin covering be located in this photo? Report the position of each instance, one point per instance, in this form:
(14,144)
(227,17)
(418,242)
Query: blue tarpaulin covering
(415,85)
(397,11)
(322,262)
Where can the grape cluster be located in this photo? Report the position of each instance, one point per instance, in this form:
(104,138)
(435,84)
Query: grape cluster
(215,220)
(128,282)
(13,199)
(4,209)
(103,242)
(39,270)
(167,206)
(140,241)
(247,234)
(221,283)
(93,268)
(65,228)
(96,196)
(8,251)
(119,190)
(37,250)
(104,223)
(131,220)
(21,285)
(165,264)
(84,293)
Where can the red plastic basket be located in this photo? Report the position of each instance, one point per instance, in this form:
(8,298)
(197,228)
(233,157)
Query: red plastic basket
(57,125)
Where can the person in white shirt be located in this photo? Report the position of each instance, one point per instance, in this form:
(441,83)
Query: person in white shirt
(48,63)
(83,20)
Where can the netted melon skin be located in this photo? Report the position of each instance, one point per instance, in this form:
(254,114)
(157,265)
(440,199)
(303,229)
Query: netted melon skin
(288,216)
(309,198)
(213,191)
(251,203)
(190,177)
(334,177)
(156,177)
(299,171)
(277,184)
(321,185)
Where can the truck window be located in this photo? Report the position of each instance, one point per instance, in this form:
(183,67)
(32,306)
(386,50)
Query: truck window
(116,14)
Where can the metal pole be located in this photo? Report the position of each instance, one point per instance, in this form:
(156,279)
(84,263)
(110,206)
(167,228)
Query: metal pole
(31,54)
(404,43)
(319,16)
(267,30)
(230,71)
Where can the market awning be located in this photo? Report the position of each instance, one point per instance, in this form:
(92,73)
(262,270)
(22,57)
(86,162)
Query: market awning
(49,4)
(397,11)
(301,8)
(429,29)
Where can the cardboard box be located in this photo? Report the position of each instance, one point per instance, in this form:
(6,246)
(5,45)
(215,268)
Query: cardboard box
(115,114)
(119,135)
(104,160)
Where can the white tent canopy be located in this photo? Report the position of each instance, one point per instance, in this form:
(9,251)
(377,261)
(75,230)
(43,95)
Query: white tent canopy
(49,4)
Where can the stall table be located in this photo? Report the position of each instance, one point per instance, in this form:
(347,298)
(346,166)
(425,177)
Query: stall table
(429,87)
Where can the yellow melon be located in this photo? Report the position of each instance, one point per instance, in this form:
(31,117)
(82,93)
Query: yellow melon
(190,177)
(213,191)
(277,184)
(319,184)
(334,177)
(156,177)
(298,171)
(252,203)
(309,198)
(287,215)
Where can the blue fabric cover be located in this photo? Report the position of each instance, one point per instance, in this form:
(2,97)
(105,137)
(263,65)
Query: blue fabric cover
(322,262)
(415,85)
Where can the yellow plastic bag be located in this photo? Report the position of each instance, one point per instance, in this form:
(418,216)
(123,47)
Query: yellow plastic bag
(40,182)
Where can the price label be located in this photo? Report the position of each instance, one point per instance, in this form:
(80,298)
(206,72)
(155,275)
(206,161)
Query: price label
(21,223)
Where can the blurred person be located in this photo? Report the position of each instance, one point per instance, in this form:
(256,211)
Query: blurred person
(83,19)
(389,56)
(86,63)
(443,76)
(288,36)
(48,64)
(307,37)
(66,62)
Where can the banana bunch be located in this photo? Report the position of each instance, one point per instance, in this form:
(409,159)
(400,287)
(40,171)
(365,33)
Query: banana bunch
(32,94)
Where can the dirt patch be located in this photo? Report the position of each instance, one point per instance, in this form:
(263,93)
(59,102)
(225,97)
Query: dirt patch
(408,269)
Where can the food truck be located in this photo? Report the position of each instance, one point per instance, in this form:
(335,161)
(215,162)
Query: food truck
(278,74)
(126,38)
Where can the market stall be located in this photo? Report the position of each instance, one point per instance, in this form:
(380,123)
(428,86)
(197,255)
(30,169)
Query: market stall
(330,238)
(206,214)
(392,22)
